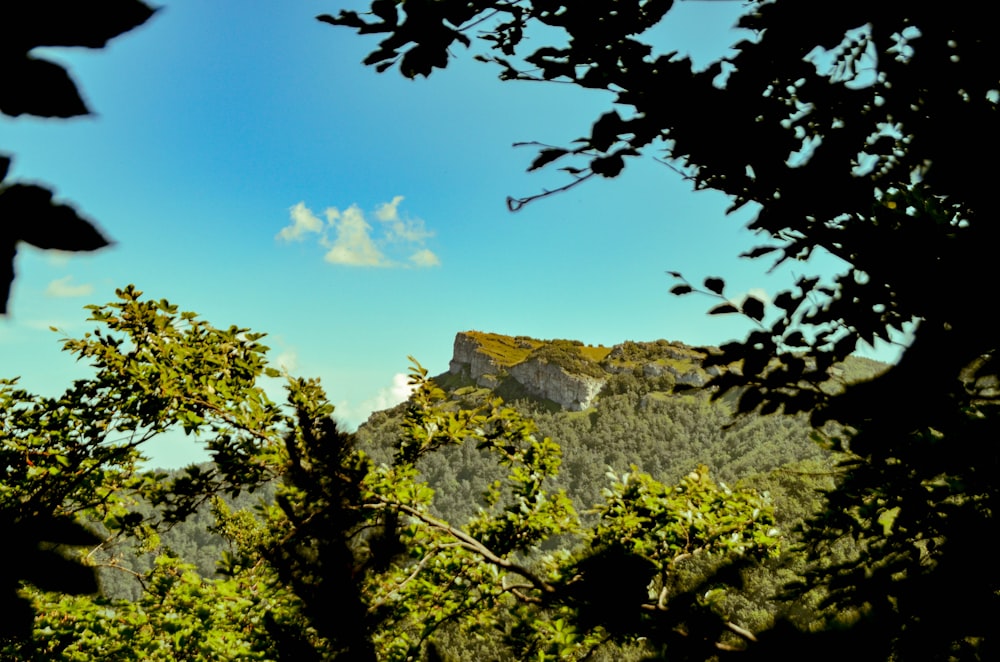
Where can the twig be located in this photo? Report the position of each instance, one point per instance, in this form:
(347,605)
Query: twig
(516,204)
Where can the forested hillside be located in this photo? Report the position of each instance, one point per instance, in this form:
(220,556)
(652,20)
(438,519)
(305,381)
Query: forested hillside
(638,422)
(635,418)
(466,529)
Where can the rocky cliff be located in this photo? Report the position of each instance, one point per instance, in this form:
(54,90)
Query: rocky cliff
(547,380)
(488,359)
(568,373)
(467,357)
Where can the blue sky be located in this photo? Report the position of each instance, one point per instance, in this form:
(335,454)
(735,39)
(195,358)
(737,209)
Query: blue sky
(249,168)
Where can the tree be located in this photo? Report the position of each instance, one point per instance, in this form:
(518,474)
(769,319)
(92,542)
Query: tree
(75,459)
(39,87)
(348,561)
(380,577)
(851,129)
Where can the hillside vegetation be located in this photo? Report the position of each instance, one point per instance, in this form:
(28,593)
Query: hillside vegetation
(638,419)
(452,527)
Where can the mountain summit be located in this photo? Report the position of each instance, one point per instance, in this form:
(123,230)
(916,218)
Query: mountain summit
(568,372)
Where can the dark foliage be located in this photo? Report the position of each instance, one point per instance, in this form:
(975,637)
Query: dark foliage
(315,558)
(33,86)
(35,554)
(852,129)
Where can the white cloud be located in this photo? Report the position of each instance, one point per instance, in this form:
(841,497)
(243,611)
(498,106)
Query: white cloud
(288,360)
(759,293)
(352,241)
(425,258)
(389,211)
(392,395)
(353,245)
(63,288)
(58,258)
(304,221)
(400,229)
(387,397)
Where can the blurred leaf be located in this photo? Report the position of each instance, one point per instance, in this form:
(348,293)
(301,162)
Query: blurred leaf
(608,166)
(38,87)
(31,216)
(605,131)
(716,285)
(547,156)
(51,571)
(62,531)
(88,23)
(758,251)
(753,308)
(723,309)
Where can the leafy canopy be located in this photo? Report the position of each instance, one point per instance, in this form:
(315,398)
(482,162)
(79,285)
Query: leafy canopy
(851,129)
(76,457)
(349,560)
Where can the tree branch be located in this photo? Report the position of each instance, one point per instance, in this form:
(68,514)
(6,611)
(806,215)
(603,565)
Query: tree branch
(471,544)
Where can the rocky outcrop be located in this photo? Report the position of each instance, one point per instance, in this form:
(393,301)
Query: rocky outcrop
(538,378)
(572,374)
(545,380)
(691,377)
(467,357)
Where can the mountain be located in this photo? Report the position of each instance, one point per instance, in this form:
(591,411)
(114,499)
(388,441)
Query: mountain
(609,408)
(612,410)
(566,372)
(572,375)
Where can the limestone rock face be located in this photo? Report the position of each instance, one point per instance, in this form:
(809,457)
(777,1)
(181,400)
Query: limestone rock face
(540,379)
(691,377)
(565,372)
(467,356)
(572,375)
(544,380)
